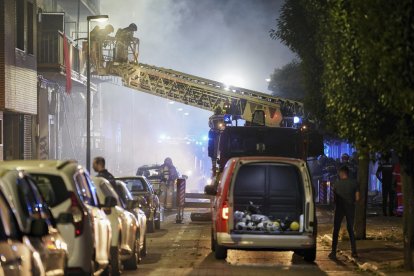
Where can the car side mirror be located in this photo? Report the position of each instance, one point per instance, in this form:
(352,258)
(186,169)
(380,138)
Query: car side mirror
(110,202)
(210,190)
(131,204)
(65,218)
(39,228)
(141,201)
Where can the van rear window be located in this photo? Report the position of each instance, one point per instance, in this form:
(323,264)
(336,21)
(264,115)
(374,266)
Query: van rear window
(268,197)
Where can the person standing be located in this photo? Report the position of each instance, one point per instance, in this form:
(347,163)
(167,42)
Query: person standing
(169,174)
(385,176)
(99,167)
(346,194)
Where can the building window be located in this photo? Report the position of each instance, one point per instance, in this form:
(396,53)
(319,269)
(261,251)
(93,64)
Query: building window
(20,24)
(30,36)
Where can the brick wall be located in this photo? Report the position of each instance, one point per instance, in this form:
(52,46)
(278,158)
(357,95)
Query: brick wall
(2,42)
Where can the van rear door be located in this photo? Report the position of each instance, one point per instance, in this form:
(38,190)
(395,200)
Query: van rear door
(265,194)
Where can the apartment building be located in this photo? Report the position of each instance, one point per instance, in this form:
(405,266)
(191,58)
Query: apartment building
(18,79)
(62,112)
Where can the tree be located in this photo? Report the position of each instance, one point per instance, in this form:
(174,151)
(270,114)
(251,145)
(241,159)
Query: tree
(366,77)
(287,82)
(297,27)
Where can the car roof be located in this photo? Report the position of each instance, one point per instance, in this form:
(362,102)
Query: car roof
(268,159)
(128,177)
(24,164)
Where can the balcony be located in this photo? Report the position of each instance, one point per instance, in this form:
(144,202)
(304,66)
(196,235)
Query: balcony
(87,7)
(51,56)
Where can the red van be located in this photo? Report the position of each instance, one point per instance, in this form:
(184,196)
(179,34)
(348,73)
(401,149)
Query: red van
(264,203)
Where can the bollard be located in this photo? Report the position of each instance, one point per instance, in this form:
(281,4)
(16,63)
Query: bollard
(180,200)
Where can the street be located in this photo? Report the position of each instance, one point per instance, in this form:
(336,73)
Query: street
(184,249)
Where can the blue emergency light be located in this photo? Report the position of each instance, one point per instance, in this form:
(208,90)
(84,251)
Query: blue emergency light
(227,119)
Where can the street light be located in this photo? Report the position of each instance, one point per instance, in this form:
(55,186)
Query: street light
(94,18)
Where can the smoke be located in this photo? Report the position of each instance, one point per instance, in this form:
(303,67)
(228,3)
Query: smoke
(206,38)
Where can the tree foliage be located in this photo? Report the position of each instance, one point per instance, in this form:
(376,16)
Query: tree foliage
(288,82)
(358,61)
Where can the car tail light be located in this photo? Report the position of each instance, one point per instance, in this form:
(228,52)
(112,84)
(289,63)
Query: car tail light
(77,213)
(225,211)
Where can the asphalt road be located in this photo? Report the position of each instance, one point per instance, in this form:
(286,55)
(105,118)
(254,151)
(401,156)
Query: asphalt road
(184,249)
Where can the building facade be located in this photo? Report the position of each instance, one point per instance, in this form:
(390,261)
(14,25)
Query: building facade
(62,113)
(18,79)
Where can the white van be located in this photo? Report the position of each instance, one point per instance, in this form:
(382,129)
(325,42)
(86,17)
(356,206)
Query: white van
(264,203)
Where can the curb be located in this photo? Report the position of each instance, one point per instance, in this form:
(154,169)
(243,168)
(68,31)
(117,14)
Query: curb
(363,266)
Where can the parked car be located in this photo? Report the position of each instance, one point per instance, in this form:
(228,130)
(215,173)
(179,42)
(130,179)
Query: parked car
(19,258)
(132,205)
(142,190)
(264,203)
(125,228)
(34,219)
(71,196)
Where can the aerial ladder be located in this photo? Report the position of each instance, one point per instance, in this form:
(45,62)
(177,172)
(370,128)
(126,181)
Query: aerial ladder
(192,90)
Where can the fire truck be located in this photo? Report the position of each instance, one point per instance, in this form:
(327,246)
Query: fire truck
(270,124)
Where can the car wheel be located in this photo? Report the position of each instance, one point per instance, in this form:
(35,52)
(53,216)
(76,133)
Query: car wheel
(220,252)
(92,268)
(310,254)
(158,222)
(131,263)
(213,247)
(144,248)
(150,226)
(115,262)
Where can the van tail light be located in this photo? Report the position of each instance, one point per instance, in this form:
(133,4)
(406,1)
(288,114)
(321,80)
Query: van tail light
(225,211)
(223,218)
(77,213)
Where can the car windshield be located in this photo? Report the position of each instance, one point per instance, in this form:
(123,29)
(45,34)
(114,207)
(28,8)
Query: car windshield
(135,185)
(8,225)
(52,188)
(123,193)
(107,190)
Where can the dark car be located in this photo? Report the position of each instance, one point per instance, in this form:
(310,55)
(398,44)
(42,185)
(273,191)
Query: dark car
(142,190)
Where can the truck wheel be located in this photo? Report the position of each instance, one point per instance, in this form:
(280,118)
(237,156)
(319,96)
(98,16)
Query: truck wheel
(220,252)
(310,254)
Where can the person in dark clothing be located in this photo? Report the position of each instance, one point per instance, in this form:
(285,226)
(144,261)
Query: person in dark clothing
(384,175)
(99,167)
(346,194)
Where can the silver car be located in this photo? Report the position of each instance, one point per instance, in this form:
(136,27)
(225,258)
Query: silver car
(34,217)
(17,256)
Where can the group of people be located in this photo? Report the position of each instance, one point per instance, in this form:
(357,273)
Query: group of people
(125,43)
(168,171)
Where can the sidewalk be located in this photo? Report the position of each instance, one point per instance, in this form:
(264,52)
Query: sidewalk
(381,253)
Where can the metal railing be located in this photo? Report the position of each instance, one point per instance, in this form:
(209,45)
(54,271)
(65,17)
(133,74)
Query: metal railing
(51,52)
